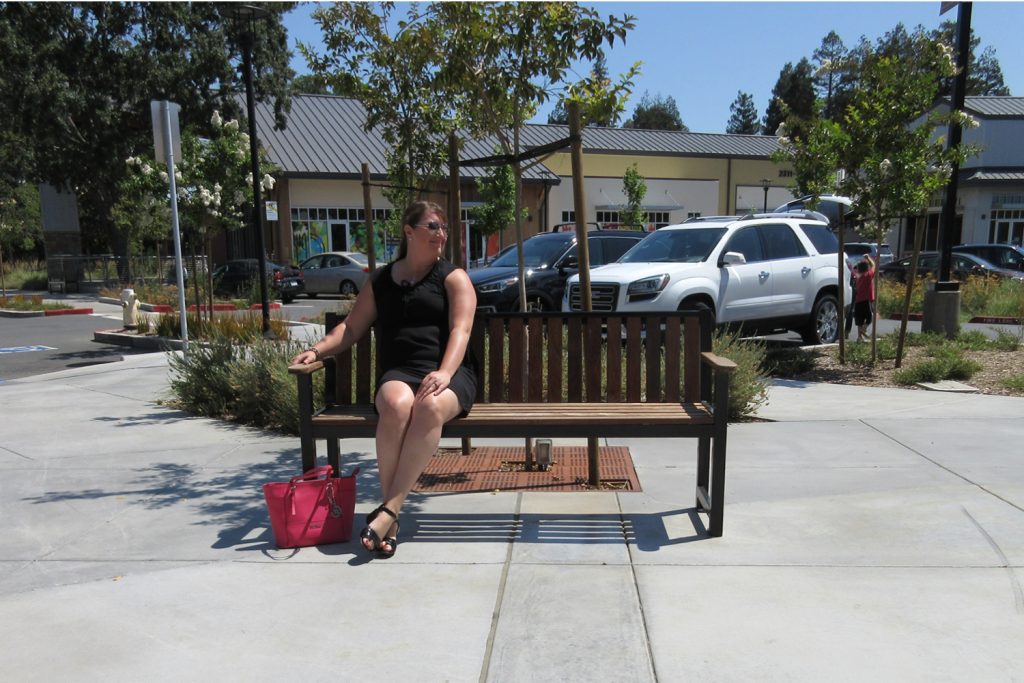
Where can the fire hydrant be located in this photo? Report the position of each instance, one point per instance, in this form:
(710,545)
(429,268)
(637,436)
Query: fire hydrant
(130,308)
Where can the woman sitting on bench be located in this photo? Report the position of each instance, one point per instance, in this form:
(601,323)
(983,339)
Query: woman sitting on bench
(424,308)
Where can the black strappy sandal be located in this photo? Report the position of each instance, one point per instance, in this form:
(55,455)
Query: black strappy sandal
(368,534)
(390,541)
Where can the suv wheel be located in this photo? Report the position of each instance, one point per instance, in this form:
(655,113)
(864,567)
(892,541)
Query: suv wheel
(825,322)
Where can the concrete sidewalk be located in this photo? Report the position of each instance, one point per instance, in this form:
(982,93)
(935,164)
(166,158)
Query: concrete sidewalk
(869,534)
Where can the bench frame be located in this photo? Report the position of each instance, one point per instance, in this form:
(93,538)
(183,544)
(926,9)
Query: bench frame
(539,376)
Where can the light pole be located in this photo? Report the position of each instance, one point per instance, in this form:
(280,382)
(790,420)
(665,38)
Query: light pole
(765,184)
(245,17)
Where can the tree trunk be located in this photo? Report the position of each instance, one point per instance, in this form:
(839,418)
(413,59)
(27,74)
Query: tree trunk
(911,281)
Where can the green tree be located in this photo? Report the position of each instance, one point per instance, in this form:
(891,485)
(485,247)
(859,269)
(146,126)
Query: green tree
(656,113)
(390,65)
(601,102)
(310,84)
(984,74)
(886,140)
(792,98)
(743,118)
(497,190)
(502,60)
(213,182)
(78,78)
(20,222)
(832,79)
(634,186)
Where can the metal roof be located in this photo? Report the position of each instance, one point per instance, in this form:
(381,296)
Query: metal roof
(993,106)
(325,138)
(992,175)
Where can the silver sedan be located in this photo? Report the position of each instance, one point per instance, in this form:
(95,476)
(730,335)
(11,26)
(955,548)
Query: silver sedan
(335,272)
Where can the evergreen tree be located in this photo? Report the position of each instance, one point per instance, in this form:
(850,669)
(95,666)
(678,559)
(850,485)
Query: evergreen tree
(984,75)
(832,78)
(559,114)
(792,98)
(744,115)
(656,113)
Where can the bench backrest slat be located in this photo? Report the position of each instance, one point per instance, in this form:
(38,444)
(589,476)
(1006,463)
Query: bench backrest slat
(633,358)
(613,360)
(554,329)
(567,357)
(535,375)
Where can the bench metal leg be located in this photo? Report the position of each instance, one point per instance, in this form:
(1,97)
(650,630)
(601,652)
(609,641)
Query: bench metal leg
(593,463)
(703,471)
(467,445)
(306,440)
(717,512)
(334,455)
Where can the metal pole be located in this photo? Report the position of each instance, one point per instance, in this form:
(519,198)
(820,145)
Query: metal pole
(579,200)
(963,39)
(165,110)
(254,146)
(371,247)
(455,204)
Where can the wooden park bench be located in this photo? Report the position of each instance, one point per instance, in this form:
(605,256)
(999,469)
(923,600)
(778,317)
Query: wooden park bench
(586,375)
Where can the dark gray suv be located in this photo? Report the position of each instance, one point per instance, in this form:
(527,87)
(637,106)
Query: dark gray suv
(1002,255)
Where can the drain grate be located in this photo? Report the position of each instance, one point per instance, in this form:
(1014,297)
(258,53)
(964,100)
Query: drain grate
(491,468)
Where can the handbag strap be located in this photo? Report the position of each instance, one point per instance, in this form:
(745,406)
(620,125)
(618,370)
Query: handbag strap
(314,473)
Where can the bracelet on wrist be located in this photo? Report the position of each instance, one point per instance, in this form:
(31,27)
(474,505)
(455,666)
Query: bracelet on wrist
(316,352)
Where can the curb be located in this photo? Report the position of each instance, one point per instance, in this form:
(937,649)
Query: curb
(8,313)
(144,342)
(996,320)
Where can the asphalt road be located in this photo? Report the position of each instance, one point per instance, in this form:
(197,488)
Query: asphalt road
(57,343)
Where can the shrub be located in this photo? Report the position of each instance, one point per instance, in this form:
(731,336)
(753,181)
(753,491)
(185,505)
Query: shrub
(1007,341)
(748,385)
(789,361)
(19,302)
(22,274)
(248,384)
(947,363)
(242,328)
(1015,382)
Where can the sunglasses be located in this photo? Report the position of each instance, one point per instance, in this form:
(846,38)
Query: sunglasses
(433,226)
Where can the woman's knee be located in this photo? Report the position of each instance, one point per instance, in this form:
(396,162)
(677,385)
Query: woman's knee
(436,410)
(395,400)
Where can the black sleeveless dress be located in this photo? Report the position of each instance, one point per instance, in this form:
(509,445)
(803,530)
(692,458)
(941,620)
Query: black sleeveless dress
(414,327)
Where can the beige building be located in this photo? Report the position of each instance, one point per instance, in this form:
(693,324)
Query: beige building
(319,192)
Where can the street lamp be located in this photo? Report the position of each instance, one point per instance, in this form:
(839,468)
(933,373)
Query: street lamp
(765,183)
(245,18)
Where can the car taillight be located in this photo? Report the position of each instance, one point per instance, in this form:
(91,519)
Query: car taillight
(366,269)
(277,276)
(301,274)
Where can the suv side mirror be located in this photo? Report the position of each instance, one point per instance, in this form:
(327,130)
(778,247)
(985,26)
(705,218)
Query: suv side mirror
(732,258)
(571,261)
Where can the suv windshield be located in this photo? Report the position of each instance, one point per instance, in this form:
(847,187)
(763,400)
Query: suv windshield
(684,245)
(536,252)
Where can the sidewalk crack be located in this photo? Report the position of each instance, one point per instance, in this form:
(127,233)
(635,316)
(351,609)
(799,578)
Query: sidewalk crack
(1018,592)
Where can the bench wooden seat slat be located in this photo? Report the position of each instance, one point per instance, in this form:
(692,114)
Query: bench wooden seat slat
(559,375)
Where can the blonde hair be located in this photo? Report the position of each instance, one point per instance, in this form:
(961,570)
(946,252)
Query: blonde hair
(412,216)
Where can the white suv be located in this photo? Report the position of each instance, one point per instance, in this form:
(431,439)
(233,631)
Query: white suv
(762,272)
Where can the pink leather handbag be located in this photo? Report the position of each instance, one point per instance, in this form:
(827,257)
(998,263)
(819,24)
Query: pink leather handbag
(314,508)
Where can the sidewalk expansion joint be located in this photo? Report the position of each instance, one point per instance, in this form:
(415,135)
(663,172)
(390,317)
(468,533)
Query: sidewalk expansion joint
(500,597)
(636,590)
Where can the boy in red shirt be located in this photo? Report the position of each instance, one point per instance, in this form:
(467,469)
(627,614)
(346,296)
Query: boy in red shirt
(864,295)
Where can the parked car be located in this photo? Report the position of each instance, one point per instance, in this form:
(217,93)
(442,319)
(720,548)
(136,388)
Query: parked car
(335,272)
(961,267)
(549,259)
(855,251)
(833,207)
(1000,255)
(232,278)
(763,273)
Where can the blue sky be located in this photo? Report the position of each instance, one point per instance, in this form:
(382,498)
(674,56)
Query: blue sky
(703,53)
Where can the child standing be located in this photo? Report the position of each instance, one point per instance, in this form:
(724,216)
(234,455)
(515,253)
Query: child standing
(864,295)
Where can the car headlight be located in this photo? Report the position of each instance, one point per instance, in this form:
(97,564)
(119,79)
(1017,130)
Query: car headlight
(498,285)
(648,288)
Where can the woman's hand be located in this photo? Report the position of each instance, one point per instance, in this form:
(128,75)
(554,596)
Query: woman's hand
(433,384)
(305,358)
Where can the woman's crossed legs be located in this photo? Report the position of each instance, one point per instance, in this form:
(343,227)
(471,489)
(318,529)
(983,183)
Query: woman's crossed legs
(408,432)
